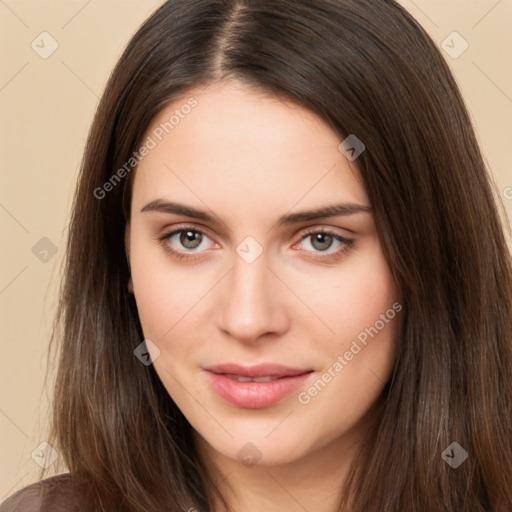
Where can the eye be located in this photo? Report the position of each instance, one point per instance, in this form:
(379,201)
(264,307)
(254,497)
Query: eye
(185,241)
(185,238)
(321,240)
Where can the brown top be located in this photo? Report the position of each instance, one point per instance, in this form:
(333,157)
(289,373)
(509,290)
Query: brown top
(60,493)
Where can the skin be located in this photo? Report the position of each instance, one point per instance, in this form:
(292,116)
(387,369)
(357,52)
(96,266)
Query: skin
(249,159)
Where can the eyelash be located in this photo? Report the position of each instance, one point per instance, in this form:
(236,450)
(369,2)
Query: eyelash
(348,243)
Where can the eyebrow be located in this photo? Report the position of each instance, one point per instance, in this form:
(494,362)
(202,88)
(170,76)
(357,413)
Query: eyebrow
(345,209)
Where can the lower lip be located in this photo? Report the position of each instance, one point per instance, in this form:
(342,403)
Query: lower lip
(255,395)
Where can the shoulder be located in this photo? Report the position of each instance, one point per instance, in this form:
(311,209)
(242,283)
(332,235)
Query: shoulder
(58,493)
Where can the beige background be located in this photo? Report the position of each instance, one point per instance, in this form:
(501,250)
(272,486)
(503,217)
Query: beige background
(46,109)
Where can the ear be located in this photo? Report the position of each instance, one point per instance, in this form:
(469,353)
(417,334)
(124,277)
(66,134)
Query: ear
(127,250)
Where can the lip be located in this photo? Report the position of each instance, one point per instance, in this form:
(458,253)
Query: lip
(260,370)
(255,395)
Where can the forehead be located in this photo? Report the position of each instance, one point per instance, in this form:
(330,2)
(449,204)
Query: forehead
(247,147)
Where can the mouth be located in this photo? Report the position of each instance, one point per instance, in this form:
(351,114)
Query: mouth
(266,370)
(255,387)
(244,378)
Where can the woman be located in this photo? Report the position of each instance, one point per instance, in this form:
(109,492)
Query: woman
(287,286)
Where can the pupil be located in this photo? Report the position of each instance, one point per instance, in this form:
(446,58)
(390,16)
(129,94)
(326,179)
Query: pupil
(189,237)
(320,238)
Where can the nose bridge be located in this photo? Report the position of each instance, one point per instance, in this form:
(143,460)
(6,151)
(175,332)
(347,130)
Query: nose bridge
(251,305)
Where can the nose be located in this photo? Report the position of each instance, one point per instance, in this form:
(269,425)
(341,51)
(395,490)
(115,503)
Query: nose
(252,302)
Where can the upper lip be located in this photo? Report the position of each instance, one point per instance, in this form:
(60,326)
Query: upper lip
(260,370)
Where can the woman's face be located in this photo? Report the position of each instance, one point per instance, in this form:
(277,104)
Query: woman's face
(251,281)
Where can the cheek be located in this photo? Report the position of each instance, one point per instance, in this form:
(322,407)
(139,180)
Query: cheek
(360,305)
(164,301)
(350,298)
(163,292)
(368,299)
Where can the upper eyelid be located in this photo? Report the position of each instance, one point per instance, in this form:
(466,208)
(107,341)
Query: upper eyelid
(305,232)
(178,229)
(204,230)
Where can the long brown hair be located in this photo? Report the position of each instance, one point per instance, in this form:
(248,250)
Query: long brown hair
(366,67)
